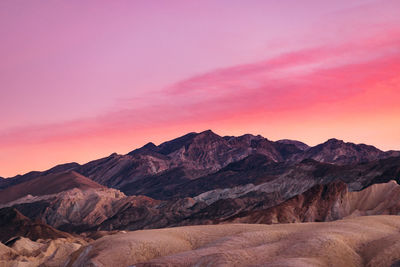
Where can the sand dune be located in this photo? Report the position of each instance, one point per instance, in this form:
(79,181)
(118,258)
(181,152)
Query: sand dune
(362,241)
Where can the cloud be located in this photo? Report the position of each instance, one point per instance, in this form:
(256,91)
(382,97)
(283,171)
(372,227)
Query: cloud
(289,81)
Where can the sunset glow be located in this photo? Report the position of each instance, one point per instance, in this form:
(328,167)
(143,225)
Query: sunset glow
(81,80)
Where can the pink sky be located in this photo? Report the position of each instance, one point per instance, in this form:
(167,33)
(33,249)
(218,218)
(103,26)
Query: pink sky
(82,79)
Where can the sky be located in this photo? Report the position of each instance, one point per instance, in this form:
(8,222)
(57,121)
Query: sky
(80,80)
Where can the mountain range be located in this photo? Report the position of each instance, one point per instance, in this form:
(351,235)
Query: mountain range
(199,179)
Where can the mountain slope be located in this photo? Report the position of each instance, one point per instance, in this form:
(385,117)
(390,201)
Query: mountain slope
(31,175)
(259,173)
(47,185)
(174,183)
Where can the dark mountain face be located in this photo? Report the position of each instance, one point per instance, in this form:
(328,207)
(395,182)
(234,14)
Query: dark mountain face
(384,170)
(315,205)
(252,169)
(328,202)
(161,186)
(259,171)
(175,184)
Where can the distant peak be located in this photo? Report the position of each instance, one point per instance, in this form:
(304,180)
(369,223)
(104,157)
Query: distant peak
(149,145)
(334,141)
(207,132)
(207,135)
(250,136)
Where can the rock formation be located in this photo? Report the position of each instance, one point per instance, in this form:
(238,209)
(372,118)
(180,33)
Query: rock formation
(327,203)
(13,225)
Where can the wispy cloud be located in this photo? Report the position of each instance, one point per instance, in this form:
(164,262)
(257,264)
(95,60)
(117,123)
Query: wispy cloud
(287,82)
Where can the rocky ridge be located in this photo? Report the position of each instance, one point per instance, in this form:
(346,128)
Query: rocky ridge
(197,155)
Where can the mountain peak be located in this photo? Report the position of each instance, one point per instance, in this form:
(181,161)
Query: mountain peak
(209,131)
(340,152)
(208,134)
(174,144)
(150,145)
(334,141)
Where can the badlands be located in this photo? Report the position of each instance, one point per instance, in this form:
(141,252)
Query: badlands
(360,241)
